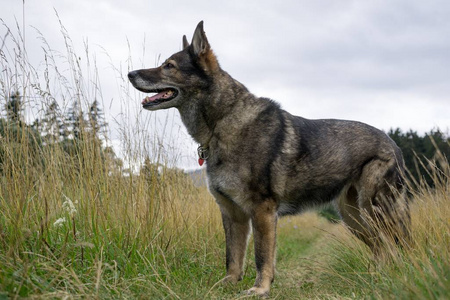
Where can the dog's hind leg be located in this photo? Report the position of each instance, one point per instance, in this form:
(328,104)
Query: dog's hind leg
(237,228)
(381,200)
(351,215)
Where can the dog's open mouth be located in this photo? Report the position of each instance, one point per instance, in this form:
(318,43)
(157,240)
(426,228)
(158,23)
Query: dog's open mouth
(162,95)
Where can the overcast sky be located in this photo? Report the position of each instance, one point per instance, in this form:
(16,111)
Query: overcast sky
(386,63)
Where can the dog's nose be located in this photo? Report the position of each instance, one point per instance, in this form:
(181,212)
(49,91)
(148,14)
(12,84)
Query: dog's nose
(132,75)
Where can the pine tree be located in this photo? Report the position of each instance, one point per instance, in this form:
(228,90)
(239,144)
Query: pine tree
(75,122)
(14,108)
(53,127)
(18,139)
(97,123)
(418,150)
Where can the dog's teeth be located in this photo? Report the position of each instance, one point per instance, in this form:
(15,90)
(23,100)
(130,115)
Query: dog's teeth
(168,94)
(146,100)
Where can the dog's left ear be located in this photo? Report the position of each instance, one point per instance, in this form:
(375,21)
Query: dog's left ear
(199,41)
(202,50)
(185,42)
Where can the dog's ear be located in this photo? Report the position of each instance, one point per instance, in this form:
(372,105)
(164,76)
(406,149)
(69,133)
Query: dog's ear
(185,42)
(202,50)
(199,41)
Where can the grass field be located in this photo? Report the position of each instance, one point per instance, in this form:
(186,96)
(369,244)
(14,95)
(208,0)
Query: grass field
(124,239)
(73,226)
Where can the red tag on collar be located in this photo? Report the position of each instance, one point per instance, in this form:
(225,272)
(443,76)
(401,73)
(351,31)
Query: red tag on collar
(201,161)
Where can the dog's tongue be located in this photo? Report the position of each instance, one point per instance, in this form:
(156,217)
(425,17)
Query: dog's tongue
(161,95)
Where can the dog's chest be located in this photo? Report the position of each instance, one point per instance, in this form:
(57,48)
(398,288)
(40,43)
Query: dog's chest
(231,183)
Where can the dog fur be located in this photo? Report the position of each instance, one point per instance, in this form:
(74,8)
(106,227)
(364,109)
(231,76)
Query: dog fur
(263,163)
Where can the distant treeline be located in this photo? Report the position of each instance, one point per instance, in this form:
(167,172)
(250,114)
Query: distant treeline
(419,151)
(76,132)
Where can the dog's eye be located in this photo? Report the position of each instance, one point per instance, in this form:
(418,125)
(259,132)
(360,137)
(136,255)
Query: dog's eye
(169,66)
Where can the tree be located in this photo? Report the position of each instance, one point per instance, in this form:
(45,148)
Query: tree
(149,170)
(97,121)
(52,127)
(14,108)
(417,150)
(75,121)
(18,140)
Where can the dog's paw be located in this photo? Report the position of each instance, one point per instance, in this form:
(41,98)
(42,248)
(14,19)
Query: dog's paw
(258,291)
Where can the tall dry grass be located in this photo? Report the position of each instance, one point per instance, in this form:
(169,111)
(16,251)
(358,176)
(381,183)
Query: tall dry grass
(74,224)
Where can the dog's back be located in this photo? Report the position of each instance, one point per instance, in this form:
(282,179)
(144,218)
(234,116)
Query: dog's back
(329,155)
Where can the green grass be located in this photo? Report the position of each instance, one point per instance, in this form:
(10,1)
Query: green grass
(73,226)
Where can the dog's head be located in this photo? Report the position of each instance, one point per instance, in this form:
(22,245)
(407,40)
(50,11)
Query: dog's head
(183,76)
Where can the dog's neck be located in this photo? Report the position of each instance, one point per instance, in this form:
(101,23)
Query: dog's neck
(195,121)
(201,116)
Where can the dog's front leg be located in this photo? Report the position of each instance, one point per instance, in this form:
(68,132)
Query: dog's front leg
(264,222)
(237,228)
(236,234)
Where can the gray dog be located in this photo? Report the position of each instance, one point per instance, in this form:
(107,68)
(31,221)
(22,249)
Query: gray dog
(263,163)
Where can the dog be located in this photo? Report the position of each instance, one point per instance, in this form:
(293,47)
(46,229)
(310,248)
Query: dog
(263,163)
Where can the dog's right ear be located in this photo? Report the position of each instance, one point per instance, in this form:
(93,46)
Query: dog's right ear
(185,42)
(202,50)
